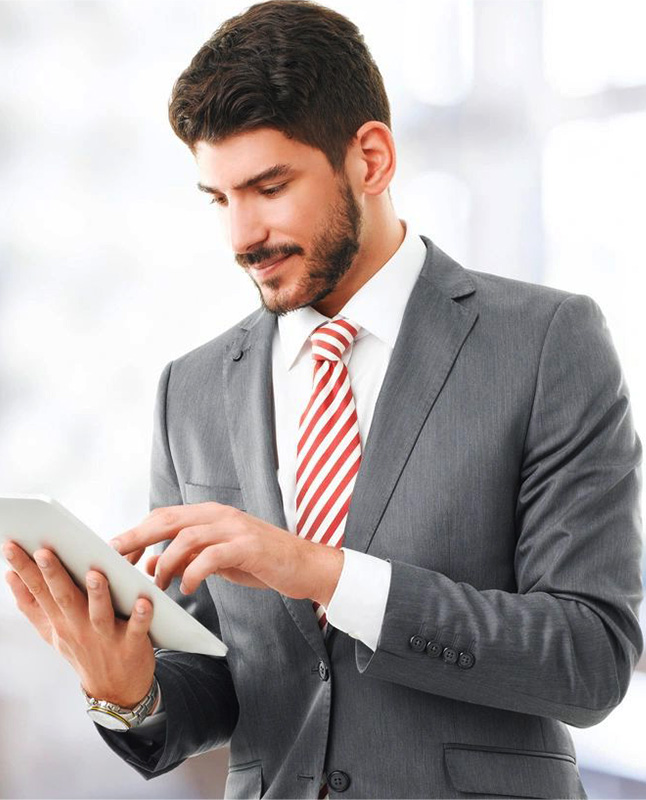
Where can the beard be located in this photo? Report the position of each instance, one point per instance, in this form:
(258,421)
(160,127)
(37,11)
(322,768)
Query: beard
(333,252)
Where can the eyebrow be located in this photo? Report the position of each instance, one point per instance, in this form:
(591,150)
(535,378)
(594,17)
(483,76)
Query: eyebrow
(277,171)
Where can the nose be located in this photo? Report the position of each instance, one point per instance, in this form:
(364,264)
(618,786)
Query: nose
(247,229)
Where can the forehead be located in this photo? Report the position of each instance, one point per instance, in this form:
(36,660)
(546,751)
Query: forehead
(236,158)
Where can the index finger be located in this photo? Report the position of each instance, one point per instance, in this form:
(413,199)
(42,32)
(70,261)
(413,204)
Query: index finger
(64,590)
(161,524)
(44,583)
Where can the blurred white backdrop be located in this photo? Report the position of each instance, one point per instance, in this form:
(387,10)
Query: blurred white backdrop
(520,128)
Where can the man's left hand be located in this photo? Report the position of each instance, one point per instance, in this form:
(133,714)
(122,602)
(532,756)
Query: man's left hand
(216,539)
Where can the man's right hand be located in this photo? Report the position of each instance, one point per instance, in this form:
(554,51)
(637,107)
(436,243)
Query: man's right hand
(114,658)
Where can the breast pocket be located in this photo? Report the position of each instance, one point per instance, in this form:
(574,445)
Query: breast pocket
(202,493)
(244,781)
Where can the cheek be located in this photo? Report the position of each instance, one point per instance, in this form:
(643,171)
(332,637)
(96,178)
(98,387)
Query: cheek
(298,218)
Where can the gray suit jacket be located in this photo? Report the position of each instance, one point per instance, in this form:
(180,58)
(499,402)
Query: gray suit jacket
(500,478)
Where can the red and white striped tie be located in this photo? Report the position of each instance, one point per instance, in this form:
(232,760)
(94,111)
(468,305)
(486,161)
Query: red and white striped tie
(328,452)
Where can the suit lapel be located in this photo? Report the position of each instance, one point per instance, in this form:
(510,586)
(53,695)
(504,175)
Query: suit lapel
(433,330)
(250,417)
(249,404)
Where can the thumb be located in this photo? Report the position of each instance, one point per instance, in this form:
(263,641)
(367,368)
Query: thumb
(134,557)
(151,563)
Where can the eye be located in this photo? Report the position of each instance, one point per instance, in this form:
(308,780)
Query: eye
(220,201)
(273,190)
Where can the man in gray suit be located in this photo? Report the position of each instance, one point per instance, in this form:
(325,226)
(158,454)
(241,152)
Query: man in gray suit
(475,580)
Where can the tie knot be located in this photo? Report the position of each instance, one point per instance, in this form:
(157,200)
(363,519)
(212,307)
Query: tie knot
(331,339)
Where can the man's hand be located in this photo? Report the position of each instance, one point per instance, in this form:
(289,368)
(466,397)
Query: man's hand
(211,538)
(114,659)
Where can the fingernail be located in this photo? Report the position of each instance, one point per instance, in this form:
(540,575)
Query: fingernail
(115,544)
(141,608)
(9,553)
(41,561)
(92,583)
(183,588)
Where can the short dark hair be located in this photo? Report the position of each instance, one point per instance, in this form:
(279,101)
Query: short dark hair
(291,65)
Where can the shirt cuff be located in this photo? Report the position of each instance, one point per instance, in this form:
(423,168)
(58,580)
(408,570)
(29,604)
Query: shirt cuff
(358,604)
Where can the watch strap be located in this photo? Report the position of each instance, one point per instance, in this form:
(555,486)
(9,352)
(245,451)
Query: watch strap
(130,717)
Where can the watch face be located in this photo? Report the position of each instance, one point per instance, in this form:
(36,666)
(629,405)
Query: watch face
(108,719)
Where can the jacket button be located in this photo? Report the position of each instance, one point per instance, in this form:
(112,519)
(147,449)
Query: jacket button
(237,355)
(338,780)
(324,672)
(466,660)
(450,655)
(434,649)
(417,643)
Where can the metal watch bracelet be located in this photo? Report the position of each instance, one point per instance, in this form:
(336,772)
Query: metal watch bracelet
(119,718)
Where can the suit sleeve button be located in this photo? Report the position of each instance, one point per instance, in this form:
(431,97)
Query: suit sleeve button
(466,660)
(450,655)
(417,643)
(434,649)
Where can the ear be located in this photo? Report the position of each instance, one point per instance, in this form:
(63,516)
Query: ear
(372,158)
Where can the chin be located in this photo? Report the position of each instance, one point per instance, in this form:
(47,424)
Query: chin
(282,302)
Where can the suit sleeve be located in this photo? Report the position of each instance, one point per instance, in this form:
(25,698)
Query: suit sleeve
(566,643)
(200,701)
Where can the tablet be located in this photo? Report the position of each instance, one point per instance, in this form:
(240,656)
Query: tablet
(35,521)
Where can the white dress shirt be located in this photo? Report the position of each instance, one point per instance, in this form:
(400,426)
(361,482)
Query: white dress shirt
(358,604)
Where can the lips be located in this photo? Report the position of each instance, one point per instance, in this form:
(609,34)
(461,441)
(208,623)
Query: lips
(270,266)
(267,264)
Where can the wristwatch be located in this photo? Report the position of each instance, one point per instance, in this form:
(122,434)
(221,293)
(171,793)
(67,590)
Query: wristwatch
(118,718)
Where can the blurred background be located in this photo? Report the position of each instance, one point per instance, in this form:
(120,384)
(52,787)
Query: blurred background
(521,134)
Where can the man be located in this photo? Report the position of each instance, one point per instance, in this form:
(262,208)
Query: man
(402,492)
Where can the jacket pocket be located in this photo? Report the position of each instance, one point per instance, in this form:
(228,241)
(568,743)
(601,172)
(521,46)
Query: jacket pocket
(244,781)
(501,772)
(227,495)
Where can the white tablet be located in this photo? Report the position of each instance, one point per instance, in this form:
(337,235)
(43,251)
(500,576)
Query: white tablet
(35,521)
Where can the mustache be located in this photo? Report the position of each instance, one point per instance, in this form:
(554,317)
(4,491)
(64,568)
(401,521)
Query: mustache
(265,253)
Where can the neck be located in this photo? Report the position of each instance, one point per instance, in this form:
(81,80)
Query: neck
(380,241)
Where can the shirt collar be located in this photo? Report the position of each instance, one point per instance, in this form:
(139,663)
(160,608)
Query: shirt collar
(378,306)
